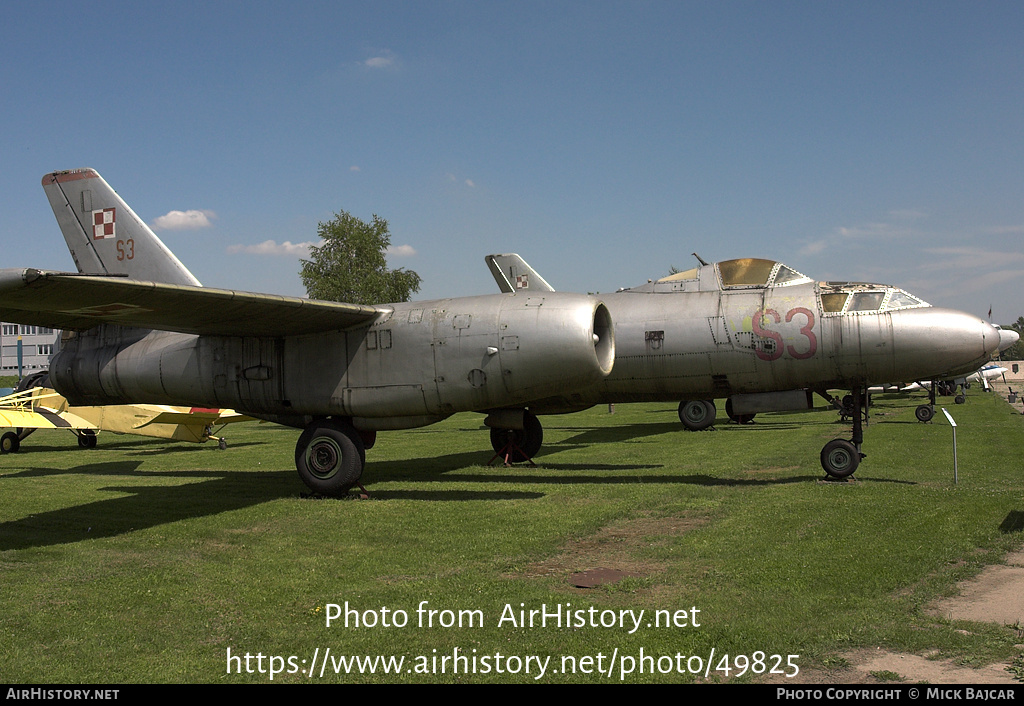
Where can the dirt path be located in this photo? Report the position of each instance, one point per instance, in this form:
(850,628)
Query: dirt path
(996,595)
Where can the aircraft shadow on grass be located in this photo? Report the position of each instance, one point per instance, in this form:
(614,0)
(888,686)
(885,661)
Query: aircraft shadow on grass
(1013,522)
(134,446)
(216,491)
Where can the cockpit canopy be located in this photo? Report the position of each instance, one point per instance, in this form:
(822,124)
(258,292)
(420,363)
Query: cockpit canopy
(753,272)
(864,298)
(756,273)
(743,273)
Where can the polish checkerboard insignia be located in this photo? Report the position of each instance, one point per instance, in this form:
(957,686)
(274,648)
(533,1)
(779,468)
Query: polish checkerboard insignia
(103,224)
(522,281)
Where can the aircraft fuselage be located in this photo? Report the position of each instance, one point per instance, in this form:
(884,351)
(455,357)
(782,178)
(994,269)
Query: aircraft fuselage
(415,364)
(703,338)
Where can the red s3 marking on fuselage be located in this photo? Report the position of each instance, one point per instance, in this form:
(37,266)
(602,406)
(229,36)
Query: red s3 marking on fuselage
(776,352)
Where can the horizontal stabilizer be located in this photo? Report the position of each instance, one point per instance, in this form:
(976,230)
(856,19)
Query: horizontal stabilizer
(180,415)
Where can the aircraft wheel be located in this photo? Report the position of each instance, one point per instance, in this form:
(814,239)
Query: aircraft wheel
(222,443)
(526,442)
(839,458)
(9,443)
(369,438)
(959,399)
(696,414)
(738,418)
(40,379)
(87,439)
(924,413)
(329,457)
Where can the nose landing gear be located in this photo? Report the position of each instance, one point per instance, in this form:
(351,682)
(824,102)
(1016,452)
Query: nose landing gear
(839,457)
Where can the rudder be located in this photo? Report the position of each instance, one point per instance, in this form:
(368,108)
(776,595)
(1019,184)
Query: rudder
(512,274)
(103,233)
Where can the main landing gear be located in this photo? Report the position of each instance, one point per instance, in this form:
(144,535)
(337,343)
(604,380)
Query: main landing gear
(330,455)
(839,457)
(518,445)
(697,415)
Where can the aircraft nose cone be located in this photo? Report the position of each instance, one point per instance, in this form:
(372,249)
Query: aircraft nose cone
(1007,338)
(942,343)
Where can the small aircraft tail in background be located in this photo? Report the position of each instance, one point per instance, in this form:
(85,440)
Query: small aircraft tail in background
(513,274)
(104,235)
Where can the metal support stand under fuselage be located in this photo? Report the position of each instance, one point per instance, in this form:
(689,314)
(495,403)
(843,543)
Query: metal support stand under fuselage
(511,450)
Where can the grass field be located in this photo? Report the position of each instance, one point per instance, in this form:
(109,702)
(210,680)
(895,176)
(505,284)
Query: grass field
(147,561)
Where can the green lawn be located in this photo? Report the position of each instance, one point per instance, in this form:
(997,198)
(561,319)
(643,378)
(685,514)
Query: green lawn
(147,561)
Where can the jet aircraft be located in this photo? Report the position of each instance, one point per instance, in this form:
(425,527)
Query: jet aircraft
(765,337)
(139,328)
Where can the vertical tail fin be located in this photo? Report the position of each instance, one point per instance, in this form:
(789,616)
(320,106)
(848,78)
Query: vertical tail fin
(104,235)
(513,274)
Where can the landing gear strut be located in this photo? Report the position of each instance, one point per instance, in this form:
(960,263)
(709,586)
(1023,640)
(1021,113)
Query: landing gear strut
(839,457)
(329,456)
(925,412)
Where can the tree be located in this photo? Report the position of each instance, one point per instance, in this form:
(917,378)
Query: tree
(1016,351)
(350,264)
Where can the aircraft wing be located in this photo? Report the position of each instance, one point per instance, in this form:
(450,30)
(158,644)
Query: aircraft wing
(42,418)
(22,410)
(195,415)
(79,302)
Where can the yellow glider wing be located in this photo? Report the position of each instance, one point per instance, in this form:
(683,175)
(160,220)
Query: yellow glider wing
(23,410)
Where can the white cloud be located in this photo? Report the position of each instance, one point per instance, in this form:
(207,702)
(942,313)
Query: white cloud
(401,250)
(184,220)
(290,249)
(270,247)
(908,214)
(385,60)
(974,257)
(470,184)
(1005,230)
(813,248)
(355,168)
(872,230)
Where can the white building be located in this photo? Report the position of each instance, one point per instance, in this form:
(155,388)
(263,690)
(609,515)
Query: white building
(38,344)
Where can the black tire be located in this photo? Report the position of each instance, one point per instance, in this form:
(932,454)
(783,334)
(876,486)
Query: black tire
(738,418)
(839,458)
(697,414)
(329,457)
(526,442)
(87,439)
(9,443)
(959,399)
(924,413)
(39,379)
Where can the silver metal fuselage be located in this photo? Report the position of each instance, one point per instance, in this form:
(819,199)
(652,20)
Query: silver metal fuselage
(416,363)
(698,339)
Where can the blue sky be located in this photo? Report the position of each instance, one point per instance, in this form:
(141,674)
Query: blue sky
(603,141)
